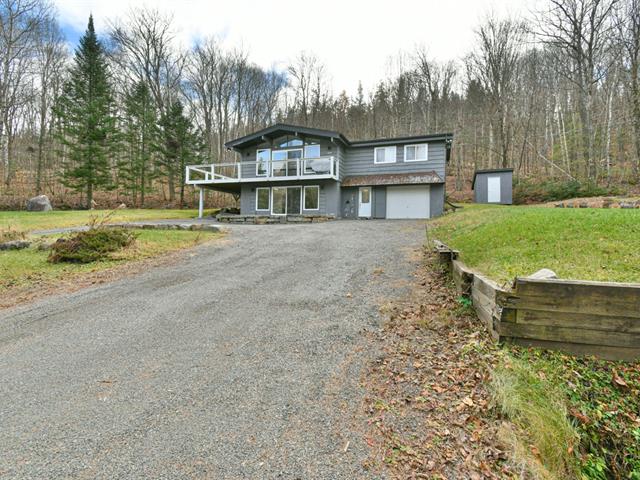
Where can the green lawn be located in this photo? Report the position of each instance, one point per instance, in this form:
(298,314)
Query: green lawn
(21,268)
(27,221)
(504,242)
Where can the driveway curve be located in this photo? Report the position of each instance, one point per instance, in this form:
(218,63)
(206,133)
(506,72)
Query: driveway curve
(241,361)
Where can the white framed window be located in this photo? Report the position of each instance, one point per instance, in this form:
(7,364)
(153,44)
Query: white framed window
(262,198)
(312,197)
(416,153)
(384,155)
(263,157)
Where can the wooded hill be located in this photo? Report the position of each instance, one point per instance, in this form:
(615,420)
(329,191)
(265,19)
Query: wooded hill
(555,96)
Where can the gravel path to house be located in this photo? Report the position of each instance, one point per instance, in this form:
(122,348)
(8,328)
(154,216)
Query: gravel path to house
(244,361)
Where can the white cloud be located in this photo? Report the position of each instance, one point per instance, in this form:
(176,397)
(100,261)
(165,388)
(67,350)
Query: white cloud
(353,38)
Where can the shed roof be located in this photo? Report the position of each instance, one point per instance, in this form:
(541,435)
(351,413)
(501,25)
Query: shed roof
(489,170)
(393,179)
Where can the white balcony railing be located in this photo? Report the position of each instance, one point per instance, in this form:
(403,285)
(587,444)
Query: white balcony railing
(294,169)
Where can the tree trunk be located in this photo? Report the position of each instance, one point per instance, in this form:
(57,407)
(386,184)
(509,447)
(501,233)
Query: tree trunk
(635,93)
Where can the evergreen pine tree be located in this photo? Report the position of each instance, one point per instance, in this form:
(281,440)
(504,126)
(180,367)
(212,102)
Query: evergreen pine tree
(87,114)
(140,142)
(181,146)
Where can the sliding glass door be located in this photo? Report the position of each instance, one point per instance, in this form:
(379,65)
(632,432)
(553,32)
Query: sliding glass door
(279,200)
(294,195)
(286,200)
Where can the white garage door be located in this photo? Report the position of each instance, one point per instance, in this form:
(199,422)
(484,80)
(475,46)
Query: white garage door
(408,202)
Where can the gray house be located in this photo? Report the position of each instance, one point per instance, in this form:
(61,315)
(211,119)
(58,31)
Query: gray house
(292,170)
(493,186)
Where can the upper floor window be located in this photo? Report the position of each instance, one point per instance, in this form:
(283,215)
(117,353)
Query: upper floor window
(262,161)
(384,155)
(287,141)
(311,151)
(416,153)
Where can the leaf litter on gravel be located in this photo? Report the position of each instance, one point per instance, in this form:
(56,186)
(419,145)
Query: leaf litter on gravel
(427,402)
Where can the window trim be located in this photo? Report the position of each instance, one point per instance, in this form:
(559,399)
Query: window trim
(304,198)
(268,209)
(258,162)
(417,159)
(375,155)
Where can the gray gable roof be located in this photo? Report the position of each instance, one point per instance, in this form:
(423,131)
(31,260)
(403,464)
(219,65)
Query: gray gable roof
(280,129)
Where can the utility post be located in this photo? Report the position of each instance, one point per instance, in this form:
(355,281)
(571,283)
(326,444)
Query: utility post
(201,203)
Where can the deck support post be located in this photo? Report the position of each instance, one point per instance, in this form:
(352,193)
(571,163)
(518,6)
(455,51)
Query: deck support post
(201,203)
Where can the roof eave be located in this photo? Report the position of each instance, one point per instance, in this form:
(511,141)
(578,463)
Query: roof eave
(403,140)
(259,136)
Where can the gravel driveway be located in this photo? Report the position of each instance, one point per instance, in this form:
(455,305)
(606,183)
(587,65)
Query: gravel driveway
(242,361)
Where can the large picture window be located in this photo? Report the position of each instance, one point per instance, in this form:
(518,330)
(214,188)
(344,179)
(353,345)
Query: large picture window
(284,163)
(416,153)
(262,198)
(384,155)
(312,197)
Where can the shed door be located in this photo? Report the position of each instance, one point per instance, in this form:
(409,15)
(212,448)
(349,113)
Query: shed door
(408,202)
(493,189)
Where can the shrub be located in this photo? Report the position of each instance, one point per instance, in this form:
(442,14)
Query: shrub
(538,408)
(10,234)
(526,191)
(90,246)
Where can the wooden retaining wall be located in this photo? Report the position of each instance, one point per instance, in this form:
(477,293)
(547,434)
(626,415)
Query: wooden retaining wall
(579,317)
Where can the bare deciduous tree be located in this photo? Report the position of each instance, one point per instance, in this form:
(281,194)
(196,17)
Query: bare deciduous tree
(21,22)
(581,33)
(495,64)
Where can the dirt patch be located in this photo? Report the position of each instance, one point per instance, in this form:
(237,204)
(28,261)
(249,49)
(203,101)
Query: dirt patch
(428,404)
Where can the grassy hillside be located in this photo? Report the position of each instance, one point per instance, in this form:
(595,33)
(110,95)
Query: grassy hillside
(504,242)
(27,221)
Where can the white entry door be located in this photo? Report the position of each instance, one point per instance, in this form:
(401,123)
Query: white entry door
(364,203)
(411,201)
(493,189)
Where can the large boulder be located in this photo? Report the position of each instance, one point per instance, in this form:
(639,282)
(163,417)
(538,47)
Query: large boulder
(40,203)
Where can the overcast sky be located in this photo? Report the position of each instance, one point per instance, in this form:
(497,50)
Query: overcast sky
(354,39)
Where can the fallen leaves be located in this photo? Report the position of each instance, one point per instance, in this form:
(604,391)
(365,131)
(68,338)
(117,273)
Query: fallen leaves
(428,406)
(581,417)
(618,380)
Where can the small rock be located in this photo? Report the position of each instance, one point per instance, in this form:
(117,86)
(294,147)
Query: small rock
(40,203)
(542,274)
(122,206)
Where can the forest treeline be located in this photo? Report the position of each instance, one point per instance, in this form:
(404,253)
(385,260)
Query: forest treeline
(555,96)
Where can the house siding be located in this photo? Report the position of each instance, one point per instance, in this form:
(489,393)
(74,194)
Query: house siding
(359,161)
(379,202)
(328,202)
(436,199)
(341,165)
(349,202)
